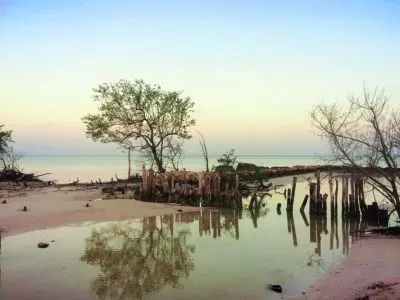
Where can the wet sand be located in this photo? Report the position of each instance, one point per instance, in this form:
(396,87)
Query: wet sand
(370,271)
(53,207)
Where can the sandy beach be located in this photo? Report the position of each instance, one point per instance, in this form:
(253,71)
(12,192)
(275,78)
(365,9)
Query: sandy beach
(370,271)
(52,207)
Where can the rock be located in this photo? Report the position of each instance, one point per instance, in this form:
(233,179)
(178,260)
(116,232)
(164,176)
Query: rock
(42,245)
(87,205)
(4,202)
(25,209)
(275,287)
(180,210)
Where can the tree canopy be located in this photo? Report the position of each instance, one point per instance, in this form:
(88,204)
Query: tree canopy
(142,116)
(5,139)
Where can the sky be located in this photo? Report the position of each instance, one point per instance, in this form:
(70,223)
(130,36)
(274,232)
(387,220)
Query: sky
(255,69)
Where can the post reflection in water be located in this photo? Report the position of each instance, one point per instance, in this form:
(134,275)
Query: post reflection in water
(138,260)
(291,227)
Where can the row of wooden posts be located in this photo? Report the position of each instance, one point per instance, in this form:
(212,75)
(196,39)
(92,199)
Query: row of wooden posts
(206,188)
(352,198)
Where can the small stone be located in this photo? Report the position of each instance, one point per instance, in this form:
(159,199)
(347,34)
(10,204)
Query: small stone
(180,210)
(42,245)
(4,202)
(275,287)
(25,209)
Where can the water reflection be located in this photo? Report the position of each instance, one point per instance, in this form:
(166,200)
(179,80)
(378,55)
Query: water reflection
(138,261)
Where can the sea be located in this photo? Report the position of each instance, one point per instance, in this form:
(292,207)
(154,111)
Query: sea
(65,169)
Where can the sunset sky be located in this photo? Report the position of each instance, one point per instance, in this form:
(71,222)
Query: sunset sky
(254,68)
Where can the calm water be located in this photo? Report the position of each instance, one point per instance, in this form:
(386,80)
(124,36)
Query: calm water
(202,255)
(65,169)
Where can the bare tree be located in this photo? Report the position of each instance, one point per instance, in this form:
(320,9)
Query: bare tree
(204,150)
(172,154)
(366,137)
(8,157)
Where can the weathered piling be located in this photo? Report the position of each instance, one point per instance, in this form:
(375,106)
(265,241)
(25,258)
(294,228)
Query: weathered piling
(313,198)
(190,188)
(332,198)
(303,215)
(356,196)
(332,232)
(352,209)
(345,196)
(324,204)
(363,206)
(288,199)
(313,229)
(319,227)
(318,177)
(278,208)
(293,192)
(292,227)
(336,196)
(303,205)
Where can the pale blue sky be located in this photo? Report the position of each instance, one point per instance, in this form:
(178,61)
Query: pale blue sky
(254,68)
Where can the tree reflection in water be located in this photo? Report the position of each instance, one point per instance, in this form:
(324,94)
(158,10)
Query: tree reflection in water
(136,262)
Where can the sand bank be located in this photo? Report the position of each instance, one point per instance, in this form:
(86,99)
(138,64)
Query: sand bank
(52,207)
(370,271)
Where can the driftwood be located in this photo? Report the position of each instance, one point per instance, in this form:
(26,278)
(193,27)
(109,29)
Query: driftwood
(17,176)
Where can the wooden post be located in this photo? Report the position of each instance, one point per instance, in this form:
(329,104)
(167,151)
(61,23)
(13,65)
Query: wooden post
(293,192)
(303,215)
(237,195)
(318,175)
(289,224)
(319,231)
(303,205)
(356,197)
(332,232)
(278,208)
(313,229)
(324,204)
(313,198)
(345,196)
(151,185)
(236,220)
(362,198)
(336,196)
(288,199)
(319,204)
(292,227)
(351,197)
(332,198)
(144,183)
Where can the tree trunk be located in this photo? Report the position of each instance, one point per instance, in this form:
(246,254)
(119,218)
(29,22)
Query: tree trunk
(159,164)
(397,206)
(129,163)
